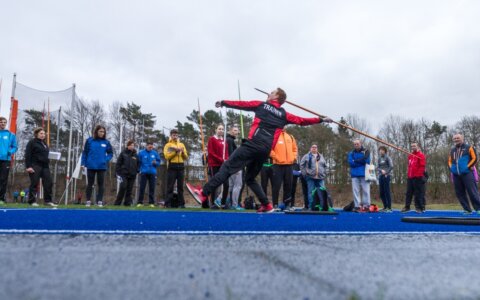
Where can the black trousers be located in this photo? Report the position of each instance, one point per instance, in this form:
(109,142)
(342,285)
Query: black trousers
(125,191)
(282,174)
(151,180)
(100,183)
(416,188)
(304,190)
(175,173)
(44,174)
(4,170)
(266,174)
(249,155)
(465,184)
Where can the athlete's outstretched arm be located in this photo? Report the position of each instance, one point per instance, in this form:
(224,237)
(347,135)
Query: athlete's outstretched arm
(239,104)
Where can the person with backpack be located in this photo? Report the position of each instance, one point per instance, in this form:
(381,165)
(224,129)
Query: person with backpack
(37,167)
(416,180)
(384,169)
(283,155)
(314,168)
(8,147)
(96,155)
(269,120)
(358,158)
(126,168)
(148,160)
(461,161)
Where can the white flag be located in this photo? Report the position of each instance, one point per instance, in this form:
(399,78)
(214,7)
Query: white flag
(77,174)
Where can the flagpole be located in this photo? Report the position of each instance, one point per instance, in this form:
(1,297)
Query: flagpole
(48,122)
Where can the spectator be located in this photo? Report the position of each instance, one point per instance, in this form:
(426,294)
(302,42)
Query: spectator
(313,167)
(235,181)
(297,174)
(126,169)
(8,147)
(462,160)
(175,154)
(357,159)
(384,169)
(217,154)
(37,167)
(266,175)
(148,160)
(416,180)
(283,155)
(96,155)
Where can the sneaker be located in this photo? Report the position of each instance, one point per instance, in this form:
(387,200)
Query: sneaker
(405,210)
(151,206)
(266,208)
(218,202)
(88,203)
(34,204)
(331,209)
(100,204)
(356,209)
(419,211)
(383,210)
(140,205)
(196,193)
(290,208)
(388,210)
(467,212)
(50,204)
(2,202)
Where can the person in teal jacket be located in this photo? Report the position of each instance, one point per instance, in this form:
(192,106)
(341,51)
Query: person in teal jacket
(8,147)
(95,157)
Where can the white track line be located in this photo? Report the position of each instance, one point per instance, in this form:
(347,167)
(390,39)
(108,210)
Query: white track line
(167,232)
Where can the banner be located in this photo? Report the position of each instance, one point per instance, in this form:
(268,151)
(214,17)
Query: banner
(13,116)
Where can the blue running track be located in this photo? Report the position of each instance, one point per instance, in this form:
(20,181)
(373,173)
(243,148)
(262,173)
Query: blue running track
(104,221)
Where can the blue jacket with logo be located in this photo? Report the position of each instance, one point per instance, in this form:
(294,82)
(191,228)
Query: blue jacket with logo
(8,144)
(146,158)
(357,161)
(462,159)
(96,154)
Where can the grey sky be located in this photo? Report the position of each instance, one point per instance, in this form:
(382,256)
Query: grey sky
(373,58)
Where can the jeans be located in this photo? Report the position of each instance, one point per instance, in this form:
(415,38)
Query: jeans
(359,183)
(234,187)
(313,183)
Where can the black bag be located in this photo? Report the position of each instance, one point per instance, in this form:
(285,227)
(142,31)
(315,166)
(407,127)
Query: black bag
(349,207)
(321,197)
(249,203)
(174,201)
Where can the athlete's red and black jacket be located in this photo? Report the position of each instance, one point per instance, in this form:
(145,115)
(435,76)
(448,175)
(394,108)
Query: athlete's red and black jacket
(270,118)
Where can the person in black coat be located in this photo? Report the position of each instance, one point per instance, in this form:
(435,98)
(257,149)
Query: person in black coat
(126,169)
(37,166)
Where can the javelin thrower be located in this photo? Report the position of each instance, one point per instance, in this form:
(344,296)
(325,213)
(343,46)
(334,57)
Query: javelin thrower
(269,120)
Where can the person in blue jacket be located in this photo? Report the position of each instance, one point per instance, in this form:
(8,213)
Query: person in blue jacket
(148,159)
(95,157)
(8,147)
(357,159)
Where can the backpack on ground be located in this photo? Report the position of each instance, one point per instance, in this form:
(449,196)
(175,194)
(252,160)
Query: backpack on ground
(322,200)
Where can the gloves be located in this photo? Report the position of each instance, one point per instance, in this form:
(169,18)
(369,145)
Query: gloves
(327,120)
(218,104)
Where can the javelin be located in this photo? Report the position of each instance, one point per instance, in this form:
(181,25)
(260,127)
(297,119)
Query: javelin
(347,126)
(203,142)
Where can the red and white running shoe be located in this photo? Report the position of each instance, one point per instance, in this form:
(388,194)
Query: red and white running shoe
(266,208)
(196,193)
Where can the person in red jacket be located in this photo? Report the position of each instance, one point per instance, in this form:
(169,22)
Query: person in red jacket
(269,120)
(416,181)
(217,151)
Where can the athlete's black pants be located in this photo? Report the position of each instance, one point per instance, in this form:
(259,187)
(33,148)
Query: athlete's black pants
(250,155)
